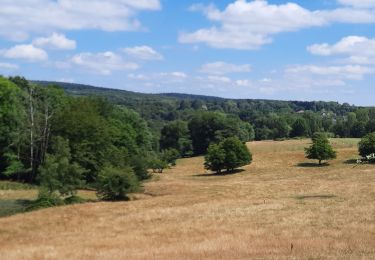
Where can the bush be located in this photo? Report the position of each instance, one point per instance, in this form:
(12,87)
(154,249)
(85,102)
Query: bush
(320,149)
(367,145)
(158,165)
(45,199)
(74,200)
(229,154)
(170,156)
(115,184)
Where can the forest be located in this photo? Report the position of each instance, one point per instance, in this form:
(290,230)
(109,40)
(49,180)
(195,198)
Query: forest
(68,136)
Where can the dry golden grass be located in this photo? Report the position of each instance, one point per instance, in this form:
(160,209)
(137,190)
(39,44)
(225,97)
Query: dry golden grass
(324,212)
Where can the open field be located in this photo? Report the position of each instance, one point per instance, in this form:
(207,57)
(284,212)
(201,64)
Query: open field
(280,207)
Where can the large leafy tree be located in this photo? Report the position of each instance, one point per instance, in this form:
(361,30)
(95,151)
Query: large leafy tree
(12,129)
(229,154)
(367,145)
(320,149)
(175,135)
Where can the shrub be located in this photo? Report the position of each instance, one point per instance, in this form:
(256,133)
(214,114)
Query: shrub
(367,145)
(320,149)
(229,154)
(170,156)
(158,165)
(115,184)
(45,199)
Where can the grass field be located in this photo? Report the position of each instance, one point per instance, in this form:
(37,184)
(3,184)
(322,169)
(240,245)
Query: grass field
(280,207)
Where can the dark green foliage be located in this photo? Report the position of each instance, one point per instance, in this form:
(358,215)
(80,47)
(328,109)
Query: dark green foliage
(300,128)
(58,173)
(208,127)
(170,156)
(115,184)
(229,154)
(175,135)
(320,149)
(367,145)
(158,165)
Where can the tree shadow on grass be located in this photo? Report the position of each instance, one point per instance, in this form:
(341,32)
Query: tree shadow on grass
(312,165)
(214,174)
(320,196)
(351,161)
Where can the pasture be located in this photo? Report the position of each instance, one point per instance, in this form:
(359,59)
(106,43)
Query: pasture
(282,206)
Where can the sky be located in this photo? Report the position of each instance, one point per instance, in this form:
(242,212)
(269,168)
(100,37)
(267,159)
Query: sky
(276,49)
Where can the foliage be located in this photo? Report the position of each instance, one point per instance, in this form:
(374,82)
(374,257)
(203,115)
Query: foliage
(320,149)
(58,173)
(115,184)
(229,154)
(209,127)
(158,165)
(45,199)
(367,145)
(170,156)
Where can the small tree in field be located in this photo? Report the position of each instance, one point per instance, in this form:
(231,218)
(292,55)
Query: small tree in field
(115,184)
(367,145)
(320,149)
(229,154)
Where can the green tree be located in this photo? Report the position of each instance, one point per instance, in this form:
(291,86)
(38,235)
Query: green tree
(58,173)
(13,136)
(115,184)
(215,158)
(320,149)
(175,135)
(299,128)
(367,145)
(229,154)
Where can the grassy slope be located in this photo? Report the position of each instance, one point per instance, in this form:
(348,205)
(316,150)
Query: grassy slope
(325,212)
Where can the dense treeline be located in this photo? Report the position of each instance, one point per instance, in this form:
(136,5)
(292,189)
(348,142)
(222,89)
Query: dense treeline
(270,119)
(45,132)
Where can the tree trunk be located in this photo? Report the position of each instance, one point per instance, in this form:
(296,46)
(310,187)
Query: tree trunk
(31,111)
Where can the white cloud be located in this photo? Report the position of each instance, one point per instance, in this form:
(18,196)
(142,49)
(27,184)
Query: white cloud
(221,68)
(248,25)
(360,50)
(143,53)
(8,66)
(350,72)
(26,52)
(104,63)
(55,41)
(358,3)
(20,18)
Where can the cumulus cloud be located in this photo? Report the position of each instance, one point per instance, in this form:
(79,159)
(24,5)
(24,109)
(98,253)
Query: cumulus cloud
(248,25)
(26,52)
(358,49)
(221,68)
(104,62)
(55,41)
(20,18)
(143,53)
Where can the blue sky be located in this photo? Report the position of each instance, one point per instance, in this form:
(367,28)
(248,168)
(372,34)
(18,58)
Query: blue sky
(276,49)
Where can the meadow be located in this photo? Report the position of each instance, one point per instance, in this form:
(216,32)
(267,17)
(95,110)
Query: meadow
(282,206)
